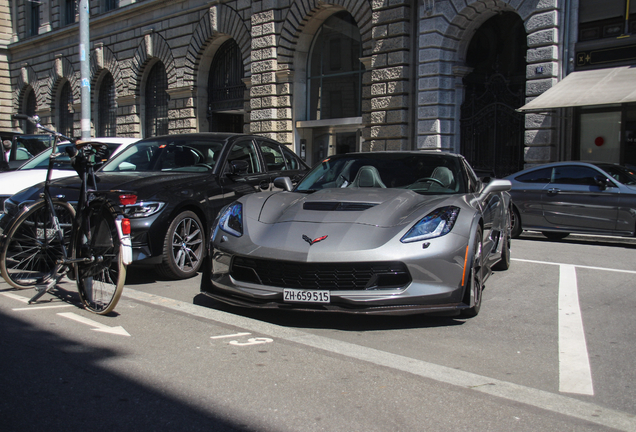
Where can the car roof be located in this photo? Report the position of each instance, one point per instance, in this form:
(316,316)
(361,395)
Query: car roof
(595,164)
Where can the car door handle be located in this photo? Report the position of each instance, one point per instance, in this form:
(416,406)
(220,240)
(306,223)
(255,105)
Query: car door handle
(554,191)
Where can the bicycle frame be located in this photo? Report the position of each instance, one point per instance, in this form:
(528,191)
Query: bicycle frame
(85,167)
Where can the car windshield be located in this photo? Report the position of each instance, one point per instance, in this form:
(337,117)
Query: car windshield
(61,162)
(619,173)
(423,173)
(167,155)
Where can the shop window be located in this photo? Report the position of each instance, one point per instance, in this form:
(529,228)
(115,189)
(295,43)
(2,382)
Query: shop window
(107,109)
(599,19)
(335,70)
(600,134)
(156,102)
(65,108)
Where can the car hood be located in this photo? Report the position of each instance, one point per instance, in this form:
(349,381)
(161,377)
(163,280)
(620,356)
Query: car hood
(12,182)
(375,207)
(145,184)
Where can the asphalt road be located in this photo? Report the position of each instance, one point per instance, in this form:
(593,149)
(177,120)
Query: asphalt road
(552,350)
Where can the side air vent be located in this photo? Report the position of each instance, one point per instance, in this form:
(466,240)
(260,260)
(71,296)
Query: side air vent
(337,206)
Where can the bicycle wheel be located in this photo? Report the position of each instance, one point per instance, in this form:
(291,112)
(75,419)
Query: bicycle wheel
(32,248)
(100,280)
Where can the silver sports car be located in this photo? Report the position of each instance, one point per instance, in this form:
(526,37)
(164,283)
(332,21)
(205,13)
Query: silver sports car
(374,233)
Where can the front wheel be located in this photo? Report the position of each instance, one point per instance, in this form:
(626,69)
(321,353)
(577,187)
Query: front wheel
(34,245)
(473,294)
(102,273)
(183,247)
(504,262)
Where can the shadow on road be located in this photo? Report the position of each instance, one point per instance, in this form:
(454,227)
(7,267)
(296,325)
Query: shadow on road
(331,320)
(49,382)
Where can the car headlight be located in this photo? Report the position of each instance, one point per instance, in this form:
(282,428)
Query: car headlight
(435,224)
(143,209)
(230,220)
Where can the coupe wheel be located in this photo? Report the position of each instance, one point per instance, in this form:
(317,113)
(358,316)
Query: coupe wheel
(515,223)
(473,295)
(183,247)
(504,262)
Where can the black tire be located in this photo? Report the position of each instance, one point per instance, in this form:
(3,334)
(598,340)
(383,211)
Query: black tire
(476,283)
(504,262)
(555,235)
(516,228)
(28,256)
(100,280)
(183,247)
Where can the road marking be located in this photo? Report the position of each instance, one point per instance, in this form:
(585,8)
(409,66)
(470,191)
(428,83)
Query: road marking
(16,297)
(252,341)
(230,335)
(31,308)
(119,330)
(575,374)
(575,265)
(557,403)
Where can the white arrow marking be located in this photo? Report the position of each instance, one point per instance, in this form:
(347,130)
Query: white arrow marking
(98,326)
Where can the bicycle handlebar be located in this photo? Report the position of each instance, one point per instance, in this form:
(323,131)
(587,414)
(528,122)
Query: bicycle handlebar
(36,121)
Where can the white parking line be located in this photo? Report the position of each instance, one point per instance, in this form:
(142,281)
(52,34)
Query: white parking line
(575,374)
(575,265)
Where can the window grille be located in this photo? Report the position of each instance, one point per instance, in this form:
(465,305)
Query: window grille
(107,110)
(156,102)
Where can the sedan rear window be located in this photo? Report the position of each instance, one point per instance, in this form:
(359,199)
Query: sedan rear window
(543,175)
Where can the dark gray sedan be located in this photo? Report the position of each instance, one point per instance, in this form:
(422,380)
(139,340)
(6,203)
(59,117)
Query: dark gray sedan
(581,197)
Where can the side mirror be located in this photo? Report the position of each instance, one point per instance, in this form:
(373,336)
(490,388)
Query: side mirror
(238,167)
(283,183)
(496,186)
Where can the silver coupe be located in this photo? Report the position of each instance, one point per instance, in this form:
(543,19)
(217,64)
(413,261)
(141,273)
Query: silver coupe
(373,233)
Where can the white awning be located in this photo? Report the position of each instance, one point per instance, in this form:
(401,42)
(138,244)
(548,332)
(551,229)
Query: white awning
(591,87)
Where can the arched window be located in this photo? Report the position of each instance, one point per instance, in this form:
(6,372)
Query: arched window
(156,105)
(65,109)
(29,109)
(226,89)
(107,109)
(334,70)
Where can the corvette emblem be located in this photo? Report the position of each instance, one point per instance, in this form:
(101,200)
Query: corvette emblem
(310,241)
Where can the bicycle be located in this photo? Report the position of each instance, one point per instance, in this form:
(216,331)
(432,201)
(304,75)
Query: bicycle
(91,243)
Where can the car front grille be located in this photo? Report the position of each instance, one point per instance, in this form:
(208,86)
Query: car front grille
(326,276)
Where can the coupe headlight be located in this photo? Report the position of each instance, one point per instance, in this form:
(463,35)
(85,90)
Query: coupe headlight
(231,219)
(143,209)
(435,224)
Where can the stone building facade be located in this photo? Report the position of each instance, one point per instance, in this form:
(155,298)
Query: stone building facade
(322,76)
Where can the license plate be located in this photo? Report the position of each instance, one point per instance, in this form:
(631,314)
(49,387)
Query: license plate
(306,296)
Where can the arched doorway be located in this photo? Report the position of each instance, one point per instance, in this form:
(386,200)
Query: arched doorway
(492,132)
(226,89)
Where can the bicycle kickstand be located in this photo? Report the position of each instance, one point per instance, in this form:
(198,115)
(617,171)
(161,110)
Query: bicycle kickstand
(42,289)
